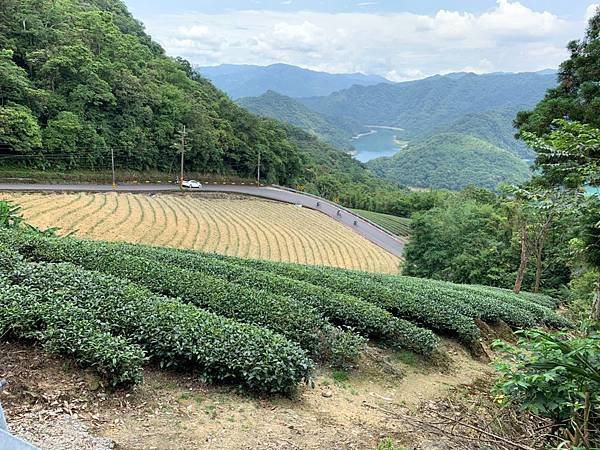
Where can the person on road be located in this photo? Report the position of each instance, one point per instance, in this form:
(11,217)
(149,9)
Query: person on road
(339,213)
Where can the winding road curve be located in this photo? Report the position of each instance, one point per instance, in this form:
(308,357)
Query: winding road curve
(365,228)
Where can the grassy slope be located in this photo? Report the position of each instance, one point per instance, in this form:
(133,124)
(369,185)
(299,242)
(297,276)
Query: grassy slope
(400,226)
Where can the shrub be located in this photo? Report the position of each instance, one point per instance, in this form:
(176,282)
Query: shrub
(10,215)
(298,322)
(483,302)
(172,333)
(345,310)
(487,303)
(63,328)
(556,376)
(443,317)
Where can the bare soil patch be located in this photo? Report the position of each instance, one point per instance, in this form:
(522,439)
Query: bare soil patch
(177,411)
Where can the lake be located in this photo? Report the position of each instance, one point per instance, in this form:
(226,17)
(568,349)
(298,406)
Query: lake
(376,143)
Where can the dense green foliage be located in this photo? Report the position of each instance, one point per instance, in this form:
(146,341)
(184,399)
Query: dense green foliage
(81,77)
(474,237)
(301,323)
(251,81)
(286,109)
(10,216)
(63,328)
(494,127)
(577,97)
(442,307)
(400,226)
(558,377)
(97,317)
(451,161)
(344,310)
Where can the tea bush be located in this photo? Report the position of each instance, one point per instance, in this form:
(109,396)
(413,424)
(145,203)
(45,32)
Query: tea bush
(298,322)
(172,333)
(63,328)
(364,317)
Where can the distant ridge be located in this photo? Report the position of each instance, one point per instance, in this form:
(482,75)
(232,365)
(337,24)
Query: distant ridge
(252,81)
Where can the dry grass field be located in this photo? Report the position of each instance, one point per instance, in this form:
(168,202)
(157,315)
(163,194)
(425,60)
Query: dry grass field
(231,225)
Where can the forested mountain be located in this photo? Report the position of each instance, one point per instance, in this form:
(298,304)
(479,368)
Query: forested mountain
(495,127)
(251,81)
(483,106)
(451,161)
(80,77)
(286,109)
(423,106)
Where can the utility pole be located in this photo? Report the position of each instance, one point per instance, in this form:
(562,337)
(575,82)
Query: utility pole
(258,168)
(112,160)
(183,136)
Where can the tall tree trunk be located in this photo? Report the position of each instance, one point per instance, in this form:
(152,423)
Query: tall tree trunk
(539,251)
(538,268)
(595,315)
(524,259)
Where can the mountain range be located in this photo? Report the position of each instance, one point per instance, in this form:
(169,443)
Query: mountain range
(250,81)
(481,107)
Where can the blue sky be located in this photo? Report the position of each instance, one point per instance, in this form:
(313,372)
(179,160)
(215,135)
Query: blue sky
(400,39)
(571,8)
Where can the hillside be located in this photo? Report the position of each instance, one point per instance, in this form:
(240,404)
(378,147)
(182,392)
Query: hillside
(252,81)
(451,161)
(286,109)
(495,127)
(422,106)
(86,78)
(483,106)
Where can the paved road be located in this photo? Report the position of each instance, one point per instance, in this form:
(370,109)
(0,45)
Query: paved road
(368,230)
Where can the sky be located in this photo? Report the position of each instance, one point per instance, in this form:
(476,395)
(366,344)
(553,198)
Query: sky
(399,39)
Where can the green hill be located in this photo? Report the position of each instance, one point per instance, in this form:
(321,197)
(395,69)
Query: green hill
(495,127)
(286,109)
(451,161)
(80,77)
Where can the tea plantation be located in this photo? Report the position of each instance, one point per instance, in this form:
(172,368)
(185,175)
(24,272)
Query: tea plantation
(256,324)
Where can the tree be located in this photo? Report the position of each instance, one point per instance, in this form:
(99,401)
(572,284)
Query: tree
(570,157)
(539,207)
(577,98)
(462,241)
(14,83)
(19,129)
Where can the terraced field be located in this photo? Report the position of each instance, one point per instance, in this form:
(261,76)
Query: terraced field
(229,225)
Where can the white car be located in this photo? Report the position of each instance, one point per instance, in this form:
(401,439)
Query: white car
(192,184)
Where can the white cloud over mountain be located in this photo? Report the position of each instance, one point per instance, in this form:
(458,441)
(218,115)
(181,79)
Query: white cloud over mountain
(402,46)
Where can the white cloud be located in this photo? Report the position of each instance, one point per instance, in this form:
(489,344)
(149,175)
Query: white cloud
(508,37)
(591,11)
